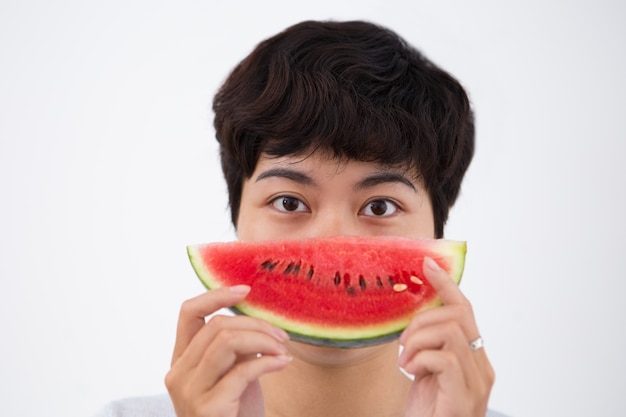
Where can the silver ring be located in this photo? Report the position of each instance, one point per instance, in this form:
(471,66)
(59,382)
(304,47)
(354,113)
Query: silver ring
(476,344)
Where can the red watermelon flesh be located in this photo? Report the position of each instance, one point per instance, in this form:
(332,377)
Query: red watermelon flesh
(347,291)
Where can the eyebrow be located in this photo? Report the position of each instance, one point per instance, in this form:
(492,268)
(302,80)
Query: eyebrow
(289,174)
(382,178)
(367,182)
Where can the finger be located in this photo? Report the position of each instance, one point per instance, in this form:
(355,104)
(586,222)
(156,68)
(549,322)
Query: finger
(455,388)
(458,314)
(461,313)
(194,311)
(231,347)
(225,397)
(446,288)
(198,346)
(444,366)
(447,337)
(234,383)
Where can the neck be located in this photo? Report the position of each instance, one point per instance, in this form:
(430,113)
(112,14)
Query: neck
(356,382)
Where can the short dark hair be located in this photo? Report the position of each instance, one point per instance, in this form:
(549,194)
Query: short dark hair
(354,90)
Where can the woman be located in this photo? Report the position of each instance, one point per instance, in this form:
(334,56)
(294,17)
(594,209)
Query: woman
(335,128)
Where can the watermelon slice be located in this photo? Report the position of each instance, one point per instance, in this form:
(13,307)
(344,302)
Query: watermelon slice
(341,291)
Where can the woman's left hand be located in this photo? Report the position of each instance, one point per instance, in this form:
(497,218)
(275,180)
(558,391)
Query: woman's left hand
(451,379)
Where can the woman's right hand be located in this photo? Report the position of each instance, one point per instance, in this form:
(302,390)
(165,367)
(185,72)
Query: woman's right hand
(216,363)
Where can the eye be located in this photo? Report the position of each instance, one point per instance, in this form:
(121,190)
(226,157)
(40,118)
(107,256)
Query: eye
(380,208)
(290,204)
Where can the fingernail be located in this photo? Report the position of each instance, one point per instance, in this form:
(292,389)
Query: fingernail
(240,289)
(281,334)
(401,361)
(430,263)
(285,358)
(402,337)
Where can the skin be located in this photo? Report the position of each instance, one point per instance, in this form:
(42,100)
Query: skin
(241,366)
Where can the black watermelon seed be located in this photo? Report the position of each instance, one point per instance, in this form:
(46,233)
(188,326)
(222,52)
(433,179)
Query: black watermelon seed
(309,274)
(268,265)
(289,268)
(379,282)
(391,281)
(337,278)
(362,282)
(296,269)
(350,291)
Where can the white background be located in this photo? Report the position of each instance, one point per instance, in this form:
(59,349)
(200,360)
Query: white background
(108,168)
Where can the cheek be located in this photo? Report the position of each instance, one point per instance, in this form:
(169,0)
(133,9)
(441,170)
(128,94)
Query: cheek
(255,221)
(422,224)
(427,228)
(249,227)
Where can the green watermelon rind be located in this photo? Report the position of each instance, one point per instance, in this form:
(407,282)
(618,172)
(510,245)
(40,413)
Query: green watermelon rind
(334,342)
(339,337)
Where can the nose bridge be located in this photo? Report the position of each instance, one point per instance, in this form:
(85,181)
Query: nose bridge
(334,222)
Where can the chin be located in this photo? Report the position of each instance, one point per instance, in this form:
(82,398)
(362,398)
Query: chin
(332,356)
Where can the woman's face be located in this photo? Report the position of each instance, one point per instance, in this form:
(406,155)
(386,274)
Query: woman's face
(297,198)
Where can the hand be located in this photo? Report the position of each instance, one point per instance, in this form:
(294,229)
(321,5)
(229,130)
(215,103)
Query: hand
(216,364)
(450,378)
